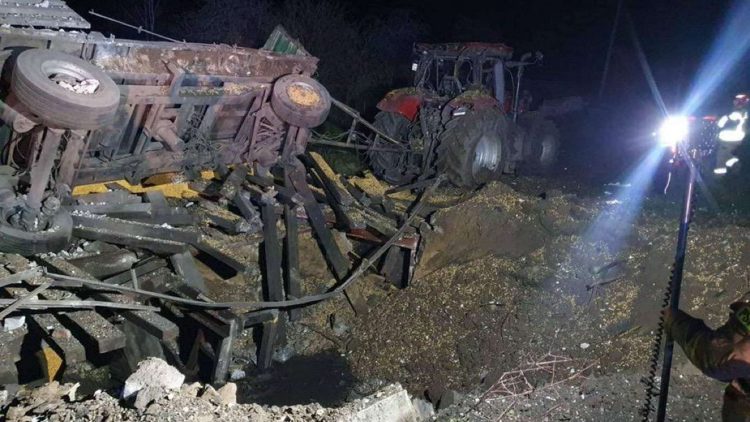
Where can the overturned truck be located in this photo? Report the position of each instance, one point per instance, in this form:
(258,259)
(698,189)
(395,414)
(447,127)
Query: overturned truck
(81,108)
(108,273)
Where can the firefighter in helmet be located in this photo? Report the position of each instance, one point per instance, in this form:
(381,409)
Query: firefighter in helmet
(732,131)
(722,354)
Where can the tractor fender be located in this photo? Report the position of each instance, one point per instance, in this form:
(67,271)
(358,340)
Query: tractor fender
(405,101)
(475,100)
(471,101)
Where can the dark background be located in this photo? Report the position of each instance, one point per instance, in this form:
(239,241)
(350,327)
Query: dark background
(374,39)
(365,50)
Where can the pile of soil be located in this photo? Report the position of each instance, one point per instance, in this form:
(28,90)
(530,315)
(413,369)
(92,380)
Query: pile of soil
(507,278)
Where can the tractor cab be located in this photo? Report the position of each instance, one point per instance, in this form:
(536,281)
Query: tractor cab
(452,69)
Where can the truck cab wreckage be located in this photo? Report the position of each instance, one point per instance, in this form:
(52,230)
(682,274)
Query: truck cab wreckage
(87,118)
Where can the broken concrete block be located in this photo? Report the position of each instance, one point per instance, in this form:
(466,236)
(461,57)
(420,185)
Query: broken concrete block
(237,374)
(391,404)
(423,409)
(14,323)
(191,390)
(153,372)
(146,396)
(210,394)
(228,394)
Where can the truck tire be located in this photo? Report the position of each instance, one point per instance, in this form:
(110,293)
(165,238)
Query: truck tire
(472,148)
(390,166)
(55,238)
(542,144)
(300,101)
(59,107)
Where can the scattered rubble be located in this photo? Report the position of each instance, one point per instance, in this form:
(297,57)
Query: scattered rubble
(194,402)
(153,373)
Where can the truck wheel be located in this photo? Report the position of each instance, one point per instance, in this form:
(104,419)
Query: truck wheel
(63,90)
(300,101)
(53,239)
(471,151)
(391,166)
(542,143)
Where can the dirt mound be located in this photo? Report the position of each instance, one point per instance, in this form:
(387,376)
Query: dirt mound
(505,277)
(500,221)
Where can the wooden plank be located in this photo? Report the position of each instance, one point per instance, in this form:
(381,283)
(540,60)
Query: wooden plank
(143,268)
(47,22)
(158,246)
(292,277)
(47,325)
(334,256)
(185,267)
(273,287)
(31,11)
(136,229)
(32,2)
(92,326)
(11,342)
(220,255)
(151,322)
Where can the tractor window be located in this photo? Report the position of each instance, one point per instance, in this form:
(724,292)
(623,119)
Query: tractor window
(488,74)
(425,74)
(464,72)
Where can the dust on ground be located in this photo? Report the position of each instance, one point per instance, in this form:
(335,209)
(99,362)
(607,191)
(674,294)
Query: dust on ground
(506,278)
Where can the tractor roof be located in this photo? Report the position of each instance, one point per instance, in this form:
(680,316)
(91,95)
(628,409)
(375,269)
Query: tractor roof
(498,50)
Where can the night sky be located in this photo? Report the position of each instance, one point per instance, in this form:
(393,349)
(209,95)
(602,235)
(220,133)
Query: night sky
(573,35)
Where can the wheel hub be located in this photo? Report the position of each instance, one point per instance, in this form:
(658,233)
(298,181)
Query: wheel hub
(303,94)
(486,156)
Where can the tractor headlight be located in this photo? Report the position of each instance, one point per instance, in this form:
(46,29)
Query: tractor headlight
(673,130)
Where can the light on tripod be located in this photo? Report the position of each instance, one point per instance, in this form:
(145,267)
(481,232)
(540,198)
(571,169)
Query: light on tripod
(673,130)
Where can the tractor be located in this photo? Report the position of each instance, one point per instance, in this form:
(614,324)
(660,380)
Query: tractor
(466,117)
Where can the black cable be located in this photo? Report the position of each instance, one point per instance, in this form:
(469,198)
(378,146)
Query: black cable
(671,300)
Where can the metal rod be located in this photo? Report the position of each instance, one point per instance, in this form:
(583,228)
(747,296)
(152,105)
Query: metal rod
(517,94)
(77,304)
(41,168)
(134,278)
(137,28)
(353,146)
(676,285)
(24,299)
(355,115)
(608,57)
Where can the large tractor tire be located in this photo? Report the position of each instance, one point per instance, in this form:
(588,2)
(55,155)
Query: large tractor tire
(53,239)
(541,145)
(300,101)
(37,82)
(391,166)
(472,148)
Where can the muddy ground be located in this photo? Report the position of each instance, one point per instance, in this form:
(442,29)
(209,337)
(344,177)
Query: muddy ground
(510,277)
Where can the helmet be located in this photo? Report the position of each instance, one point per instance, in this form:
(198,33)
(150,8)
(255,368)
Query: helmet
(741,100)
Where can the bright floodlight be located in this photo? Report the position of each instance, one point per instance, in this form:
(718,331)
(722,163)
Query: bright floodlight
(673,131)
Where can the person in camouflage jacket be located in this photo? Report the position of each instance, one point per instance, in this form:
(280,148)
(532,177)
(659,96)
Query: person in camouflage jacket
(722,354)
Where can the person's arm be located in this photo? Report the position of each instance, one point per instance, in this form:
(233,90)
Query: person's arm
(710,351)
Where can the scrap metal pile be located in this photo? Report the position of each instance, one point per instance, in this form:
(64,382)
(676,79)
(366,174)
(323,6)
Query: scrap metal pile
(107,274)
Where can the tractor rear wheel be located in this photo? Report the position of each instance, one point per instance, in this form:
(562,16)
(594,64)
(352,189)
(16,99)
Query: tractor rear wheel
(472,148)
(542,143)
(391,166)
